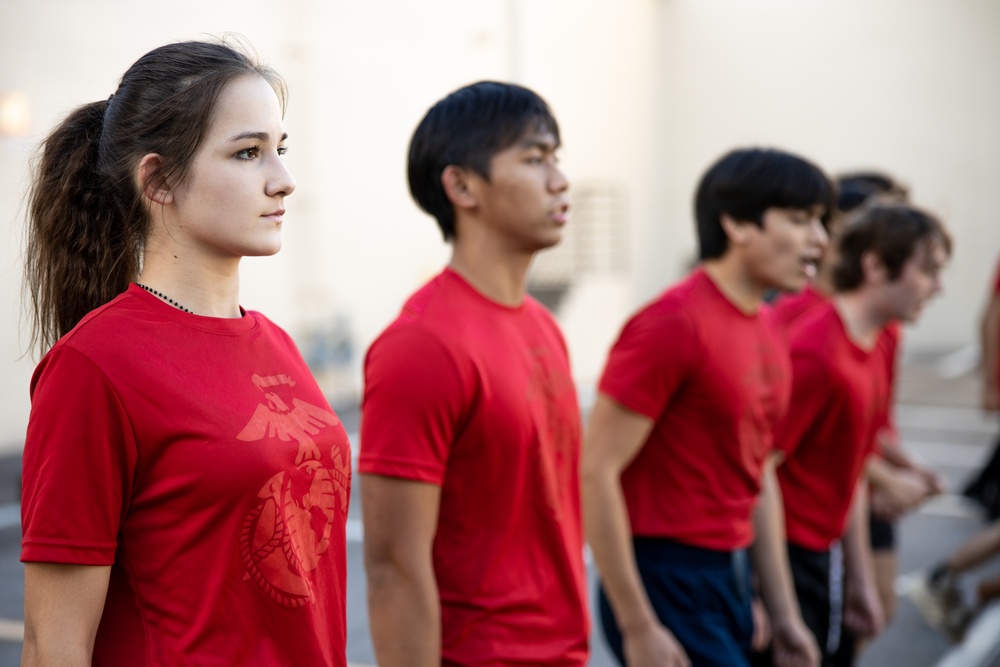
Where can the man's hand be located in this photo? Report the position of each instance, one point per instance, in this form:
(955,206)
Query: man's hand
(761,625)
(935,482)
(793,645)
(863,612)
(900,492)
(653,646)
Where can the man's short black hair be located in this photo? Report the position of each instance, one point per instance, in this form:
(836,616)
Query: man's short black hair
(746,182)
(466,129)
(859,187)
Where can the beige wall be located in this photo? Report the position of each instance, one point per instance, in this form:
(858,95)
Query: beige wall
(909,86)
(648,92)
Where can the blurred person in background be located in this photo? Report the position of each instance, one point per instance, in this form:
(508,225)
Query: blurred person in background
(939,595)
(984,487)
(886,269)
(898,483)
(470,431)
(185,482)
(679,443)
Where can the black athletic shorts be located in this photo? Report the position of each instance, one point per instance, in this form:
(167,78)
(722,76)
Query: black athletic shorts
(882,533)
(819,587)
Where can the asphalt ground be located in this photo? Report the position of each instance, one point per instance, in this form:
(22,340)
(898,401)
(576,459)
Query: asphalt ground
(938,421)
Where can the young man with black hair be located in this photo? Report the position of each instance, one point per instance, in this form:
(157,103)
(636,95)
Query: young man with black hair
(887,268)
(679,442)
(470,436)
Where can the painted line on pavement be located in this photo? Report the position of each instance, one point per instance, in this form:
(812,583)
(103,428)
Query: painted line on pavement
(951,505)
(355,531)
(950,454)
(11,630)
(945,418)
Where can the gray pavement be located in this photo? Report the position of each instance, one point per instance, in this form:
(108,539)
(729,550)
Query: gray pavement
(937,419)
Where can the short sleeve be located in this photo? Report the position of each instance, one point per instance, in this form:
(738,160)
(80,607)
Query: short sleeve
(78,466)
(654,354)
(414,403)
(812,392)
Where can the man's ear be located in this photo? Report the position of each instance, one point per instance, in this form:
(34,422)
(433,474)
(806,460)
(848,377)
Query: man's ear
(873,268)
(737,231)
(151,181)
(459,186)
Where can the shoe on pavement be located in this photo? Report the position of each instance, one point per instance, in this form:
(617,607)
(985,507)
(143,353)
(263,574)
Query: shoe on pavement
(941,605)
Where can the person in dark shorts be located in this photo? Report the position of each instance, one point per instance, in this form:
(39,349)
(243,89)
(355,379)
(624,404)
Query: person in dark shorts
(678,446)
(898,483)
(887,268)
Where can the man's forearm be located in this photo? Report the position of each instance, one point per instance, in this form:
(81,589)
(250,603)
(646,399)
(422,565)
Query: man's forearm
(858,562)
(405,615)
(990,343)
(607,526)
(769,551)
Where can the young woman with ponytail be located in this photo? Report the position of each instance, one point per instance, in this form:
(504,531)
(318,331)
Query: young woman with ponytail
(185,482)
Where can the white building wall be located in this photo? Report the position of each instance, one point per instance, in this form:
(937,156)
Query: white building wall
(648,93)
(908,86)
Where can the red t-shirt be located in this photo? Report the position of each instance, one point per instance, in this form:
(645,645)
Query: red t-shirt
(791,309)
(715,381)
(477,398)
(829,428)
(198,458)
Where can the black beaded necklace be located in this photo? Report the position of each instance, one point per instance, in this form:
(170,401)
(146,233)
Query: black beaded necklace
(164,297)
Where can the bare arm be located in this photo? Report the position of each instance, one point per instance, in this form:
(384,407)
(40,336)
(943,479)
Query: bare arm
(881,470)
(862,610)
(990,352)
(614,437)
(62,609)
(793,643)
(400,519)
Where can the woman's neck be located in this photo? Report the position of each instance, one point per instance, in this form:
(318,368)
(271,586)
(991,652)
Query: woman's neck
(211,291)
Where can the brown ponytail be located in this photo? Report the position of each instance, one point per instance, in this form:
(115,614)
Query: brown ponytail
(87,222)
(83,249)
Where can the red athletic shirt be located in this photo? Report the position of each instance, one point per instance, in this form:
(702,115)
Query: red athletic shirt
(477,398)
(838,393)
(791,309)
(197,457)
(715,381)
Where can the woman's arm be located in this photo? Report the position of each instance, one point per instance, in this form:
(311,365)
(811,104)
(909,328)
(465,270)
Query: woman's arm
(62,609)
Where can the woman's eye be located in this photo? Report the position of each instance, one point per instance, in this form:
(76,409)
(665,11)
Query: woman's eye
(282,150)
(248,153)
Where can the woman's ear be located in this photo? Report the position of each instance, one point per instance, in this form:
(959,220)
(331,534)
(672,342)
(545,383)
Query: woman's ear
(152,184)
(459,187)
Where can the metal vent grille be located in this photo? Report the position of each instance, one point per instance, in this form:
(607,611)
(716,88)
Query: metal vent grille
(593,243)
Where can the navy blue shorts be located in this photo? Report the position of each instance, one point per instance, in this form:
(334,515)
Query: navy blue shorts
(701,595)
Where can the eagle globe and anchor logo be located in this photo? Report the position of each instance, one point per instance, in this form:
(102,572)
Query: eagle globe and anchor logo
(289,530)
